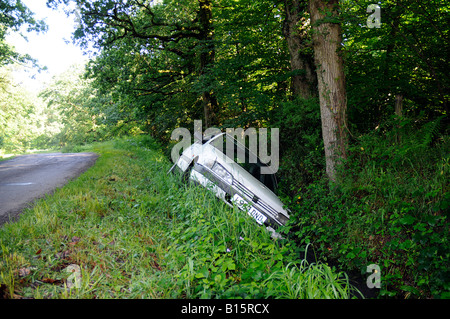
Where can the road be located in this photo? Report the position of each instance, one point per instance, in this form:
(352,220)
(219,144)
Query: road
(28,177)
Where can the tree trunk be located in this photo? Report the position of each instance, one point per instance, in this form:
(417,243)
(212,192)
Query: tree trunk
(327,40)
(295,32)
(207,56)
(399,112)
(399,104)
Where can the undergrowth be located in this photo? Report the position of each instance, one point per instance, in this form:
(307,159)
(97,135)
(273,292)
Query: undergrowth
(390,208)
(136,232)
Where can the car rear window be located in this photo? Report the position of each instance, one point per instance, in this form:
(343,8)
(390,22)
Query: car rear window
(246,159)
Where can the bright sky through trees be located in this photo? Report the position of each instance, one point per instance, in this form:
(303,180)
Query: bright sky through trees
(53,49)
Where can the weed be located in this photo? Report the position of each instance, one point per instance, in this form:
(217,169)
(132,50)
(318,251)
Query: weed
(390,208)
(136,232)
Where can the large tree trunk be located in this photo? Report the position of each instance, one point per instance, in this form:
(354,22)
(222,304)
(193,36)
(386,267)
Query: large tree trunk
(327,40)
(207,56)
(295,31)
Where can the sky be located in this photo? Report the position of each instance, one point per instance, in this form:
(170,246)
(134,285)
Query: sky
(53,49)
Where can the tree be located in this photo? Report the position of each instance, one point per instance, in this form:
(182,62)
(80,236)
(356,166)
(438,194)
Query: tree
(297,32)
(23,117)
(327,42)
(207,55)
(14,15)
(72,102)
(251,68)
(402,63)
(183,35)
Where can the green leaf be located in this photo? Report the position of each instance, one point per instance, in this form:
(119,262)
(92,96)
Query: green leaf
(407,220)
(350,255)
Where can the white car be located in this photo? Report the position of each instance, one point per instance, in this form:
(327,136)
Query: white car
(234,181)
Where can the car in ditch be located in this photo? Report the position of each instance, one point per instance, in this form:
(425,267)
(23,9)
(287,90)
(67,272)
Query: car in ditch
(235,179)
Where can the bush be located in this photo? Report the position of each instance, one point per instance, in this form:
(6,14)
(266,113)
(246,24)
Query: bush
(301,144)
(390,208)
(226,255)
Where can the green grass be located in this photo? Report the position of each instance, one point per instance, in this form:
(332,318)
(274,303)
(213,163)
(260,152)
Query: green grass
(390,208)
(136,232)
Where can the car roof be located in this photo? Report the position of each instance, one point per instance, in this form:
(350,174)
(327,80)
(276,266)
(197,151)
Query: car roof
(215,136)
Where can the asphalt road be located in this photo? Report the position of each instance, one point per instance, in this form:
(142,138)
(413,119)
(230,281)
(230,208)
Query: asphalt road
(28,177)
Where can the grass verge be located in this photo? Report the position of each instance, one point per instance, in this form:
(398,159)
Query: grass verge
(126,229)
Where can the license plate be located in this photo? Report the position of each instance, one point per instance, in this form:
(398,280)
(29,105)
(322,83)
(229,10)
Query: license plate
(239,202)
(260,218)
(242,204)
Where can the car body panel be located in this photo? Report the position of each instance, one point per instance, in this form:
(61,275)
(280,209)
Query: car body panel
(208,166)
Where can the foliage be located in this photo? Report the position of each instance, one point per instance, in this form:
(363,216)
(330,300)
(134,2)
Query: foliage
(137,232)
(23,118)
(14,15)
(70,100)
(301,144)
(161,64)
(226,256)
(151,60)
(406,56)
(392,205)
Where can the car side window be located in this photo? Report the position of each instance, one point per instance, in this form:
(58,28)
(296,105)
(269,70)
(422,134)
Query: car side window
(247,163)
(218,143)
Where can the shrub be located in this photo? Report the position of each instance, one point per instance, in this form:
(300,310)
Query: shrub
(389,208)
